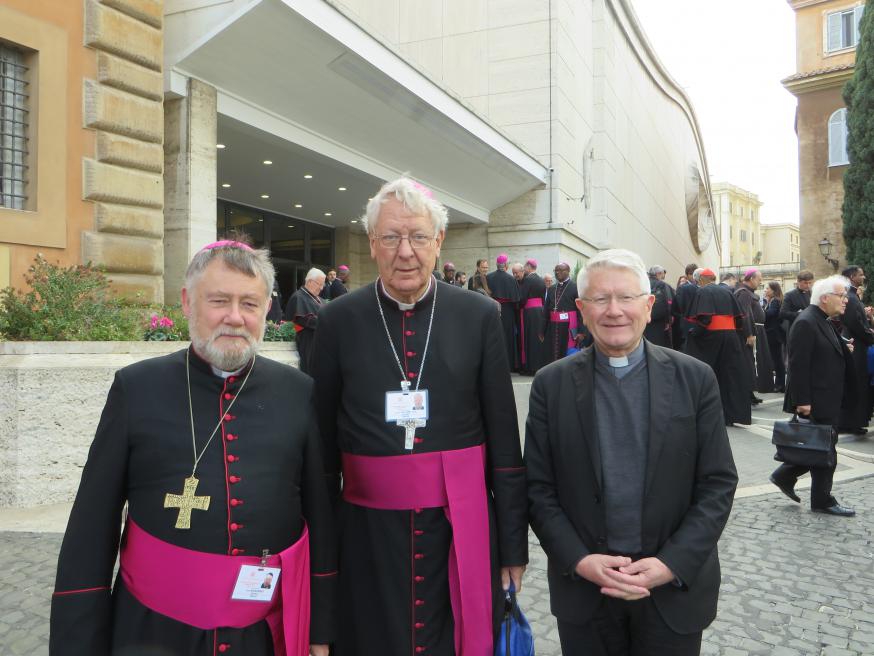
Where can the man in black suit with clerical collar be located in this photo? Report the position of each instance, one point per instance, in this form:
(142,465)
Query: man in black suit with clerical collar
(630,477)
(796,300)
(820,363)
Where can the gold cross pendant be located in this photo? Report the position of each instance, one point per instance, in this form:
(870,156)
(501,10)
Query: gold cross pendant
(186,502)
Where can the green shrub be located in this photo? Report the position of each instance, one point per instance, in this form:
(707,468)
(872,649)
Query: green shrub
(279,332)
(67,304)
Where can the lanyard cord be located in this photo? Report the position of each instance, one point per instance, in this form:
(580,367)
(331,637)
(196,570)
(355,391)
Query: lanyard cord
(392,344)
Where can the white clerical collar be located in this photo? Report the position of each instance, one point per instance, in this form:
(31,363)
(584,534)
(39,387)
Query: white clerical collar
(407,306)
(225,374)
(624,361)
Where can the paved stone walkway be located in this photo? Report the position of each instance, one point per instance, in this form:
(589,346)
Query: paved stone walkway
(794,582)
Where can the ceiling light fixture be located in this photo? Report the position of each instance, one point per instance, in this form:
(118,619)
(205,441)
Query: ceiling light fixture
(267,162)
(308,176)
(341,188)
(298,205)
(327,214)
(354,221)
(226,185)
(265,195)
(219,146)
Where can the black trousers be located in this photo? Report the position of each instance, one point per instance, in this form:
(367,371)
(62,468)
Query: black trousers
(820,478)
(626,628)
(776,348)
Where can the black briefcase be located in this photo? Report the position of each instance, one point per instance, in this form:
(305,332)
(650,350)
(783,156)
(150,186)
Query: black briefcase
(801,442)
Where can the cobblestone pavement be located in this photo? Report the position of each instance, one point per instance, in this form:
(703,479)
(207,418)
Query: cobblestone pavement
(794,582)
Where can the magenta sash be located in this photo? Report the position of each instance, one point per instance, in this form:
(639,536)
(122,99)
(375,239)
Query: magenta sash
(571,321)
(454,481)
(195,588)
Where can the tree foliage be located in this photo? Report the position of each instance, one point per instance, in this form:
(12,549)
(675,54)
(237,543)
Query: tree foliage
(858,209)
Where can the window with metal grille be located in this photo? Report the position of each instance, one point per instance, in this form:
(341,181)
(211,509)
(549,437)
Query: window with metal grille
(13,127)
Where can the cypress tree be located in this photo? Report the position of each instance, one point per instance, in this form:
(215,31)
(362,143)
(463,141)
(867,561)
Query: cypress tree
(858,209)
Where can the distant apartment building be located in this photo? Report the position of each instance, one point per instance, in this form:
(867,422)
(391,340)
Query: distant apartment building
(737,214)
(781,243)
(827,32)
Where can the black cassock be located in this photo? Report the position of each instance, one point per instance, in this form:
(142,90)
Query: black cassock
(532,350)
(303,309)
(658,330)
(855,326)
(560,300)
(142,450)
(761,366)
(505,290)
(684,300)
(471,403)
(721,349)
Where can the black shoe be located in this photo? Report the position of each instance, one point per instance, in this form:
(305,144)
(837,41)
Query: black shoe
(786,489)
(846,430)
(755,400)
(780,390)
(836,510)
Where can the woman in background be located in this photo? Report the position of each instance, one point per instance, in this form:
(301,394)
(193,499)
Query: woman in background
(774,331)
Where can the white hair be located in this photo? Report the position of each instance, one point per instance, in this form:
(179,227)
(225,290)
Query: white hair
(825,286)
(249,261)
(314,274)
(416,197)
(696,274)
(615,258)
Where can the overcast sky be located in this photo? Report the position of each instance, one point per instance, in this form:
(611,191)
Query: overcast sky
(730,58)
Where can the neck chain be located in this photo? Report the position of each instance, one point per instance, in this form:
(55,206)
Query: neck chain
(557,295)
(188,500)
(392,344)
(197,456)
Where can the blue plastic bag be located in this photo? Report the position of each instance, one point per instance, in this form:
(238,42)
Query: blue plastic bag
(515,637)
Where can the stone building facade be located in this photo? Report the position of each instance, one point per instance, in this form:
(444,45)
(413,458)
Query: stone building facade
(827,34)
(548,127)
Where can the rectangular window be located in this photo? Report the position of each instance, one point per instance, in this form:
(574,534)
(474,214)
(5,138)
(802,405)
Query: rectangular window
(730,232)
(843,29)
(13,128)
(743,235)
(753,238)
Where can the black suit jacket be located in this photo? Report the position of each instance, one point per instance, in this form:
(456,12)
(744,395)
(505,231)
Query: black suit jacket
(818,366)
(688,491)
(794,302)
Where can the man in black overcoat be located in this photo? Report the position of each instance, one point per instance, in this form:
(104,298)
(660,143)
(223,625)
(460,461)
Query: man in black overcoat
(683,299)
(658,330)
(857,326)
(795,300)
(242,427)
(630,478)
(819,363)
(303,310)
(755,346)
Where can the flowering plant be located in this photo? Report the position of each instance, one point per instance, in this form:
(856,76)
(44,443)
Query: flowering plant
(161,329)
(279,332)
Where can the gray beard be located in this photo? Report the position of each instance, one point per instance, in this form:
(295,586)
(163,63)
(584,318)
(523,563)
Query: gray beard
(226,360)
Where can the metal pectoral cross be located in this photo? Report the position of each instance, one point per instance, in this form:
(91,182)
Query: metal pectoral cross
(186,502)
(410,426)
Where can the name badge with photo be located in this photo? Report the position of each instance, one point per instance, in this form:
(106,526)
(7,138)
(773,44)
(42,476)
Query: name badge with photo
(403,406)
(256,583)
(563,316)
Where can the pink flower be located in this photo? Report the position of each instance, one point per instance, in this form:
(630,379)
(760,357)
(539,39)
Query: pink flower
(154,322)
(166,322)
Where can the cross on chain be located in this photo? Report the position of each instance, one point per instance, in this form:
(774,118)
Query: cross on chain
(410,426)
(186,502)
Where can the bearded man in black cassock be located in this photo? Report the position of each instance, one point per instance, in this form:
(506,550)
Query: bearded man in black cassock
(216,452)
(505,290)
(756,350)
(714,339)
(532,350)
(433,510)
(303,309)
(564,323)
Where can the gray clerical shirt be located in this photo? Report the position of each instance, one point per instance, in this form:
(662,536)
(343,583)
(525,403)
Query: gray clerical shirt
(622,424)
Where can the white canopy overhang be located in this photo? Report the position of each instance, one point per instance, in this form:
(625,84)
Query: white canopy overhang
(298,77)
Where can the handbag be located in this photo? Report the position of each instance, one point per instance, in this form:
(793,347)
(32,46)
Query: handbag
(515,637)
(801,442)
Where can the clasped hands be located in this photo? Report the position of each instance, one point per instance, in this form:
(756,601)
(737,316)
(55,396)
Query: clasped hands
(619,577)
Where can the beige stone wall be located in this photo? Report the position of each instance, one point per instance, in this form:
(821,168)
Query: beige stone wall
(821,186)
(781,243)
(53,393)
(123,105)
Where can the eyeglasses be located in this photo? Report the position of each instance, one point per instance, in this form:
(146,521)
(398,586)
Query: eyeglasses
(417,241)
(841,295)
(624,300)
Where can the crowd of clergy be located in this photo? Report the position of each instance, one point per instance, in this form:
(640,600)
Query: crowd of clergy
(377,501)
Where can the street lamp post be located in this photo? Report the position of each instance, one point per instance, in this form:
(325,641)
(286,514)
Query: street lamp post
(825,249)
